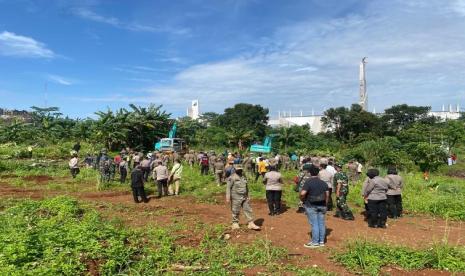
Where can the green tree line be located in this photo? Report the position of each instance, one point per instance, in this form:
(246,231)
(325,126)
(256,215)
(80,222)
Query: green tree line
(404,135)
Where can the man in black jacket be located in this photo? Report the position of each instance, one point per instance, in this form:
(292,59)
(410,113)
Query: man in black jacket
(137,185)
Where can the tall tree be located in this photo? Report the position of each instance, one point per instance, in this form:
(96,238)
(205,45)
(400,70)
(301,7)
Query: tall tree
(348,124)
(244,122)
(402,116)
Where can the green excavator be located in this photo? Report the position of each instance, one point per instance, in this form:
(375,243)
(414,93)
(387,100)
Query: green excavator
(171,144)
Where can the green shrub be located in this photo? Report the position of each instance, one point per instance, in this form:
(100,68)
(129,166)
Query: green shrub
(58,237)
(369,257)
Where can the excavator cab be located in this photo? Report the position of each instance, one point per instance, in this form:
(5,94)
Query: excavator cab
(171,145)
(265,148)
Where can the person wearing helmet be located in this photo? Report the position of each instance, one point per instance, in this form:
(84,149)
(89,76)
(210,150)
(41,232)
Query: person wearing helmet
(341,182)
(237,194)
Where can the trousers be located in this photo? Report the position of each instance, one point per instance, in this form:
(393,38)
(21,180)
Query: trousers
(377,213)
(394,206)
(316,217)
(162,187)
(74,172)
(239,202)
(175,190)
(274,201)
(330,200)
(204,169)
(219,177)
(146,172)
(123,174)
(139,192)
(258,174)
(343,210)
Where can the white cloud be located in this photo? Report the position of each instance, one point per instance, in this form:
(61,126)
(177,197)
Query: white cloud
(415,55)
(12,44)
(88,14)
(60,80)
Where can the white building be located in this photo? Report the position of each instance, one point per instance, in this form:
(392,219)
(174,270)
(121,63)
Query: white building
(316,126)
(450,114)
(193,111)
(314,121)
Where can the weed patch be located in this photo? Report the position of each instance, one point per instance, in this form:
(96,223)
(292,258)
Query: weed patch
(369,257)
(58,236)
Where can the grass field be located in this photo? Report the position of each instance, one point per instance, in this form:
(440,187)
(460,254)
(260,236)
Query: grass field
(63,235)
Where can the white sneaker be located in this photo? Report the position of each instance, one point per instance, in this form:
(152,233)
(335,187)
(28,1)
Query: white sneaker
(235,226)
(311,245)
(253,226)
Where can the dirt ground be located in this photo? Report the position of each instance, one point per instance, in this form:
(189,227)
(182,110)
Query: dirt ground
(289,230)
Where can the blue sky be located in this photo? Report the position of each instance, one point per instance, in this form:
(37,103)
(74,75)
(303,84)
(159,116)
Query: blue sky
(294,55)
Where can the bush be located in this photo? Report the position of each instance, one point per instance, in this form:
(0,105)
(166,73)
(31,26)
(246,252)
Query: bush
(58,237)
(369,257)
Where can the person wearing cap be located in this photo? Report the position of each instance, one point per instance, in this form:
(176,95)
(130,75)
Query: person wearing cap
(341,182)
(237,193)
(374,193)
(175,178)
(219,170)
(274,185)
(228,169)
(394,194)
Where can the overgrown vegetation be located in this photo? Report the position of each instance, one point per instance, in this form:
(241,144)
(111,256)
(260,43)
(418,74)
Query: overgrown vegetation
(404,136)
(59,237)
(370,257)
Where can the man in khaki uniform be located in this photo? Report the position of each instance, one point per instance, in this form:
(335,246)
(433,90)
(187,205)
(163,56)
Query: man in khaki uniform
(219,171)
(237,192)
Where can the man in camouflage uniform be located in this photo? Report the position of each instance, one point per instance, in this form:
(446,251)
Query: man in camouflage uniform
(341,182)
(105,167)
(237,192)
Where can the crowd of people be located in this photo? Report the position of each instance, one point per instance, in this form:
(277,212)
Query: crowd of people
(142,168)
(318,181)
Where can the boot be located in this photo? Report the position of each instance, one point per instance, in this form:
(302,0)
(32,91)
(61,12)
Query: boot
(235,226)
(253,226)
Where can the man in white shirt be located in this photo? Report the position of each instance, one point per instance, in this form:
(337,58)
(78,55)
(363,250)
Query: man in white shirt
(327,177)
(160,173)
(74,165)
(330,168)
